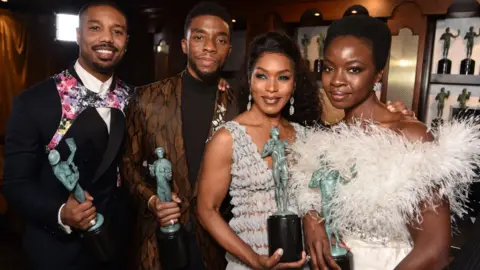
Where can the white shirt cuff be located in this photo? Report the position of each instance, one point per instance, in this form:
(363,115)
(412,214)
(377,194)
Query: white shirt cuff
(64,227)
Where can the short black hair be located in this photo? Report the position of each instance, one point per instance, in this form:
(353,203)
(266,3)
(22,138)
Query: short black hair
(102,3)
(374,31)
(207,8)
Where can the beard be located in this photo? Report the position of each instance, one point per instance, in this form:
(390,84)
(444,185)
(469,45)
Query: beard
(104,69)
(207,77)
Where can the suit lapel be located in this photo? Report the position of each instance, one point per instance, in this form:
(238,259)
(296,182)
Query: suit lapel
(177,147)
(117,129)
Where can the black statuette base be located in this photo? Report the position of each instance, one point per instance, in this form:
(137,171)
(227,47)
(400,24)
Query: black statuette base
(173,249)
(345,262)
(99,242)
(467,66)
(285,232)
(444,66)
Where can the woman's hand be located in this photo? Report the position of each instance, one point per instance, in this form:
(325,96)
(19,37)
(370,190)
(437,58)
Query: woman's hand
(223,84)
(273,262)
(400,106)
(316,241)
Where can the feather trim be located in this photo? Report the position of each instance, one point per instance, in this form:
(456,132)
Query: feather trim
(393,175)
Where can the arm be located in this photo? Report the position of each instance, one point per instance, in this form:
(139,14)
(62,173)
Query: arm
(133,158)
(431,238)
(23,150)
(213,186)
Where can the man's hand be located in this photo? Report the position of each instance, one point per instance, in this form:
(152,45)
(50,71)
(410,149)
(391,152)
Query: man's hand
(400,106)
(79,215)
(316,241)
(167,213)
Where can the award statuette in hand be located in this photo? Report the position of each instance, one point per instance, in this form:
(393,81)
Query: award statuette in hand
(284,227)
(172,246)
(96,237)
(327,180)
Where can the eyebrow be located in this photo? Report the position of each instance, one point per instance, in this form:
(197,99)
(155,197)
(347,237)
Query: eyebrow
(348,62)
(281,71)
(97,21)
(201,31)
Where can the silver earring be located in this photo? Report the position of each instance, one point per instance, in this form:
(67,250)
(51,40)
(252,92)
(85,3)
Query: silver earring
(249,105)
(292,109)
(377,86)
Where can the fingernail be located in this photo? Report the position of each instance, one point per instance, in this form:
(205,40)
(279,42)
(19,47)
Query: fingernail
(404,111)
(280,252)
(389,107)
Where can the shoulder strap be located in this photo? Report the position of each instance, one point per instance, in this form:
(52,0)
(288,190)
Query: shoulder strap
(75,98)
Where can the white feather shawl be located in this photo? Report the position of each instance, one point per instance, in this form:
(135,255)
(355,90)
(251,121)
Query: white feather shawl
(393,174)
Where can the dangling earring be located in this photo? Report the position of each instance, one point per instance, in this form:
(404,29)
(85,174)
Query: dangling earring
(292,109)
(377,86)
(249,105)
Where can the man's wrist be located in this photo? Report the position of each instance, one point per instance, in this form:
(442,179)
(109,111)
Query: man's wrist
(151,202)
(64,227)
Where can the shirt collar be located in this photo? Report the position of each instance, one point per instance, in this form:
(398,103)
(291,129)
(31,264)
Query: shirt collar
(90,82)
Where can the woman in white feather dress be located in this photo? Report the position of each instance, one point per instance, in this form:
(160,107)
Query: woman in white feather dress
(394,211)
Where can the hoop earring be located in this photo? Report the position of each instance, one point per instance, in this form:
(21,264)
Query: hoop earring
(249,105)
(292,109)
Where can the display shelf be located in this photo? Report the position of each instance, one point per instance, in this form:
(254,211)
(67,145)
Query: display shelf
(455,79)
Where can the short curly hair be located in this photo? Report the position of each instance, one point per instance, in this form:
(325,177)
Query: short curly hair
(308,108)
(367,28)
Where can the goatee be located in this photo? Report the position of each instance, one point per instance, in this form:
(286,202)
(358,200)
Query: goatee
(207,77)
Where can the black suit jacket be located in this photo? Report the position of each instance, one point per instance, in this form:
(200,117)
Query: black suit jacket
(31,187)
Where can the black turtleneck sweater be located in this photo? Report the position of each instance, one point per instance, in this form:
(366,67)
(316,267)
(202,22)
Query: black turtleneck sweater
(198,103)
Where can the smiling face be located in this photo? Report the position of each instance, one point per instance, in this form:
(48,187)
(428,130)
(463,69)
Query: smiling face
(272,82)
(102,37)
(207,45)
(349,72)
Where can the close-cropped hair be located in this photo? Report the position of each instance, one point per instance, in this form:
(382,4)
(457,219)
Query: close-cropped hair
(375,32)
(102,3)
(208,8)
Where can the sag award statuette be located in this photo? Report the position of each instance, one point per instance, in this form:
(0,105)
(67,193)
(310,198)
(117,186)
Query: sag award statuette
(462,99)
(305,43)
(318,64)
(445,64)
(172,246)
(467,66)
(327,180)
(284,227)
(440,97)
(95,237)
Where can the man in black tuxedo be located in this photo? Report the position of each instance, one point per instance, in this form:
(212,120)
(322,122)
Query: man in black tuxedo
(84,102)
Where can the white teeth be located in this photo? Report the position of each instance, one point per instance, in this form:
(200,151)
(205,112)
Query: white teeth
(271,100)
(104,51)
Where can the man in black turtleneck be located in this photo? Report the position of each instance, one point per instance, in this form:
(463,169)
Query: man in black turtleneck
(179,114)
(198,101)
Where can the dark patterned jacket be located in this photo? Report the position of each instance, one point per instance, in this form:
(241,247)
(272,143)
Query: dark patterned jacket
(154,119)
